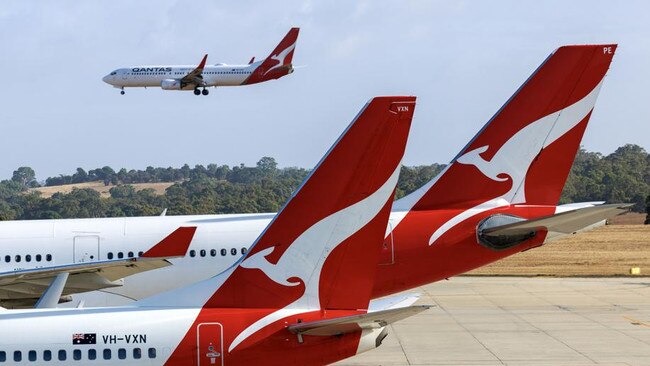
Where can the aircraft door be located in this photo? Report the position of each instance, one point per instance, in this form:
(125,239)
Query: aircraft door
(210,344)
(387,256)
(86,248)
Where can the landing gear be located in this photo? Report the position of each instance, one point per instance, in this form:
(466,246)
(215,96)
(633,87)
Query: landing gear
(205,91)
(122,91)
(197,91)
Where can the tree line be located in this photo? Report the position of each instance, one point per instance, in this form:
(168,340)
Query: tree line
(623,176)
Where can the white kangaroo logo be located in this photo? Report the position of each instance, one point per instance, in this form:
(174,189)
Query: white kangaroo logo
(513,159)
(305,257)
(280,57)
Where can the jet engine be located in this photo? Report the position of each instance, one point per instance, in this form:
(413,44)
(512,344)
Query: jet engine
(171,84)
(501,242)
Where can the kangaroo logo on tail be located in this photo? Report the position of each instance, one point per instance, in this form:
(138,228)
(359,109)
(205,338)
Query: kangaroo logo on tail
(514,158)
(280,57)
(305,257)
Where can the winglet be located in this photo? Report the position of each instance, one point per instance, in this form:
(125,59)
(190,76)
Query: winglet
(252,60)
(202,64)
(174,245)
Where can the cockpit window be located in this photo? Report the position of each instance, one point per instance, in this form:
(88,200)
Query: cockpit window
(114,72)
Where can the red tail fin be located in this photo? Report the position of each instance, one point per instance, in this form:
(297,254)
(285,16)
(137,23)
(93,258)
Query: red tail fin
(278,63)
(524,153)
(330,231)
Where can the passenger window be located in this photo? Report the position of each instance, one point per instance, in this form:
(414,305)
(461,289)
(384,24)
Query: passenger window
(7,258)
(48,257)
(203,252)
(110,255)
(213,252)
(121,353)
(31,355)
(18,356)
(137,353)
(244,250)
(152,353)
(224,252)
(233,251)
(92,354)
(39,257)
(3,356)
(17,258)
(107,354)
(28,258)
(130,254)
(47,355)
(76,355)
(120,255)
(62,355)
(192,253)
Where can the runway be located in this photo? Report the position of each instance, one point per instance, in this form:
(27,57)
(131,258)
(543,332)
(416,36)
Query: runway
(523,321)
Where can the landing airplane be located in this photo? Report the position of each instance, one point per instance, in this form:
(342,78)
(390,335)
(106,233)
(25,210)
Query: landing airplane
(496,198)
(300,296)
(199,78)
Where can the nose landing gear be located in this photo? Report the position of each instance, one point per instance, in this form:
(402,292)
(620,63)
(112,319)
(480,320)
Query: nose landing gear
(122,91)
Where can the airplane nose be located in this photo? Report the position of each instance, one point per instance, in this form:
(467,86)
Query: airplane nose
(107,79)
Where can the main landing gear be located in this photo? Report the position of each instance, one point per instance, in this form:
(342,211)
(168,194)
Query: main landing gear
(199,92)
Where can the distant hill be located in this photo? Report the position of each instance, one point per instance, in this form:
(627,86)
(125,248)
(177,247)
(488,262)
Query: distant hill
(48,191)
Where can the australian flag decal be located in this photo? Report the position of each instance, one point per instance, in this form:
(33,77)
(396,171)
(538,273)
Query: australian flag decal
(84,338)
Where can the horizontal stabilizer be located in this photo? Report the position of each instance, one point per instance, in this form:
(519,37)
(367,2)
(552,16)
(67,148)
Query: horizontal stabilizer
(564,223)
(355,323)
(393,302)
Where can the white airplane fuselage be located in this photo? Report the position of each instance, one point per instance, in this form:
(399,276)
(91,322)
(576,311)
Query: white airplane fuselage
(154,76)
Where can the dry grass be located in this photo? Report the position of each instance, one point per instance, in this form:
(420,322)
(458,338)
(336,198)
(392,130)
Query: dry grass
(607,251)
(630,218)
(159,188)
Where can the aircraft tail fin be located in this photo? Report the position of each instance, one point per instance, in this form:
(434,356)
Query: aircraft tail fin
(279,62)
(524,153)
(328,232)
(321,250)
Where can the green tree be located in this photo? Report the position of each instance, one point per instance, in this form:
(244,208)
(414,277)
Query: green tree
(24,175)
(647,210)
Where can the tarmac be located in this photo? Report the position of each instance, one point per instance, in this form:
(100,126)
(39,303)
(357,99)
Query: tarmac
(523,321)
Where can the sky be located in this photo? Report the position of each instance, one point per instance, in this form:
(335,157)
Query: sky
(462,59)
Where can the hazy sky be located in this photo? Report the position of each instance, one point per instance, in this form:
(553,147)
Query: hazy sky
(462,59)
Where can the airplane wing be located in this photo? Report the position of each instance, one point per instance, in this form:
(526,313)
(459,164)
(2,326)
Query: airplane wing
(195,76)
(568,222)
(355,323)
(26,286)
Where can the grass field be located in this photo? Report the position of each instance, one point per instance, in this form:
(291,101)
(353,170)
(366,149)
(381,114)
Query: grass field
(159,188)
(606,251)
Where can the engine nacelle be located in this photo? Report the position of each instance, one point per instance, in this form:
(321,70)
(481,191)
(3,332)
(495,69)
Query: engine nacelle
(171,84)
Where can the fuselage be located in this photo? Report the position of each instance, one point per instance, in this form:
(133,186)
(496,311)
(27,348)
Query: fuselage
(165,336)
(407,260)
(153,76)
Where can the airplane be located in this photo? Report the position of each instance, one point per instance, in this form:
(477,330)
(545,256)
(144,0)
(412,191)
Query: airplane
(498,197)
(199,78)
(300,296)
(83,270)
